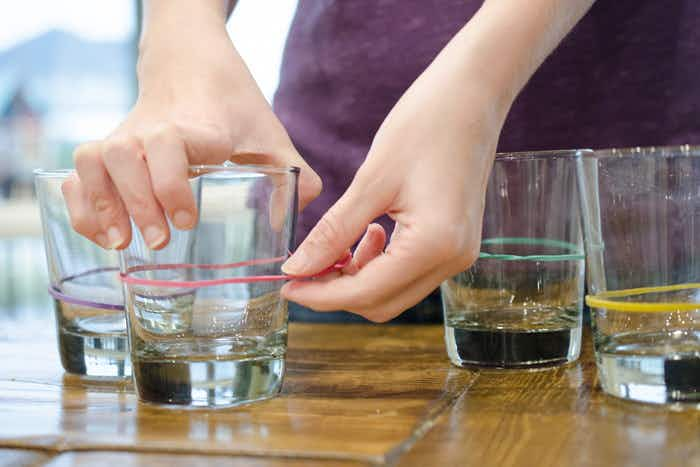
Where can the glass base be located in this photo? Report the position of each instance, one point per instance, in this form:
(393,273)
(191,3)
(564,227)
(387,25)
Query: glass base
(497,348)
(656,368)
(94,355)
(211,383)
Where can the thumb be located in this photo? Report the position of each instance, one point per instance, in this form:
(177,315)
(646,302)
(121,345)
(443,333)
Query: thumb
(338,229)
(310,184)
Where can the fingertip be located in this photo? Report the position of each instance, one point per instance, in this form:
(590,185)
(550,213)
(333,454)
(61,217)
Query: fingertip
(290,290)
(155,237)
(297,264)
(117,238)
(377,233)
(286,290)
(101,240)
(310,187)
(183,219)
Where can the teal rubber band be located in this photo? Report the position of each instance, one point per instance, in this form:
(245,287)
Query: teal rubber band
(575,254)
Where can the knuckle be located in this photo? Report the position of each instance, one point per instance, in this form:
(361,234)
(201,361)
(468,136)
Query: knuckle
(310,190)
(139,208)
(377,315)
(468,258)
(80,224)
(68,186)
(118,148)
(102,204)
(82,154)
(166,187)
(449,241)
(362,303)
(442,246)
(161,132)
(315,186)
(328,230)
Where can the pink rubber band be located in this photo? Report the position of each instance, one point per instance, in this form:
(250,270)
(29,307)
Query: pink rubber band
(127,278)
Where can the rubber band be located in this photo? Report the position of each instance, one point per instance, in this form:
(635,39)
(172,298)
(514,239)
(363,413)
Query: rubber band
(128,278)
(58,294)
(602,300)
(575,250)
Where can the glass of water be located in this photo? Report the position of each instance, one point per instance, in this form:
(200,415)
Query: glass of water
(207,325)
(84,284)
(520,304)
(641,209)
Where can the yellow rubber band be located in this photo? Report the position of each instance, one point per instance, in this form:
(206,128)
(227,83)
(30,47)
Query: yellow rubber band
(602,300)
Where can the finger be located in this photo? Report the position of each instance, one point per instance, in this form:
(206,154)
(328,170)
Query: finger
(339,227)
(384,276)
(168,166)
(383,280)
(109,212)
(382,311)
(283,188)
(371,246)
(280,200)
(80,212)
(309,183)
(375,283)
(124,160)
(410,296)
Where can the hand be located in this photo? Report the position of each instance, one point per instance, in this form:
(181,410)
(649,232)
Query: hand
(427,168)
(197,104)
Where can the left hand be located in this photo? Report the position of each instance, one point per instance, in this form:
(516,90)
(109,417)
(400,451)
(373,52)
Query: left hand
(427,169)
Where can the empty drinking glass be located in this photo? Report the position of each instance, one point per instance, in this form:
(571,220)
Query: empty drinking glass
(641,209)
(207,325)
(520,304)
(85,287)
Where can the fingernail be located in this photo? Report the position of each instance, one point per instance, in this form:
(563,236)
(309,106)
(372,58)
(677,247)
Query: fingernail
(154,237)
(115,238)
(297,264)
(101,240)
(182,219)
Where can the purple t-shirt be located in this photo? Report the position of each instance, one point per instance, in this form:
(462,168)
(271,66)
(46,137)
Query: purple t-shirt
(627,75)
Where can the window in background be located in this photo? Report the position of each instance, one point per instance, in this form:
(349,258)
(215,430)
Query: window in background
(259,30)
(67,76)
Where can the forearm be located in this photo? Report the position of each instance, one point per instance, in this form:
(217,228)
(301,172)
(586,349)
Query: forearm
(502,46)
(168,21)
(179,36)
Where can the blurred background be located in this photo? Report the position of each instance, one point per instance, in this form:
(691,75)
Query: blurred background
(67,75)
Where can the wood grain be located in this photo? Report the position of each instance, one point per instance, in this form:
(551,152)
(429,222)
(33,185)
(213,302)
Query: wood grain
(353,395)
(556,417)
(130,459)
(352,392)
(21,458)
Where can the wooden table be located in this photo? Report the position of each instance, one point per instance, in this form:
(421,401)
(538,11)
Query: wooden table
(353,395)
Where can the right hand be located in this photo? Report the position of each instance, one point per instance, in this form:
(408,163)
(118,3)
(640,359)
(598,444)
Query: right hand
(197,104)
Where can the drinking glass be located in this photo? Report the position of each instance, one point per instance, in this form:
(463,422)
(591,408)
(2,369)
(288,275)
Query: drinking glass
(641,209)
(207,325)
(84,284)
(520,304)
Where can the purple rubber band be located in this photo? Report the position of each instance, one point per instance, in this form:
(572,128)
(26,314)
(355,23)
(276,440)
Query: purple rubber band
(56,293)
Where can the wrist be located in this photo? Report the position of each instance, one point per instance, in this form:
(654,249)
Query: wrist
(502,46)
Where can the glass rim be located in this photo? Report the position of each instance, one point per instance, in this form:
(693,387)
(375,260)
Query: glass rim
(681,150)
(246,168)
(52,173)
(548,154)
(196,168)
